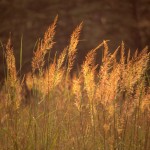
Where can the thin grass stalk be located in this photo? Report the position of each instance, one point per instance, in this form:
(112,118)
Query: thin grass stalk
(21,50)
(3,52)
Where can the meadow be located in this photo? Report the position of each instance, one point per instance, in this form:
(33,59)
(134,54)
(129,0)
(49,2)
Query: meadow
(95,107)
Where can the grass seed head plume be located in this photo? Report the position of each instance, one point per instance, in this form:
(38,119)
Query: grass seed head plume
(61,58)
(76,88)
(145,103)
(122,58)
(134,70)
(109,76)
(129,55)
(12,84)
(54,74)
(90,57)
(43,47)
(88,70)
(106,52)
(52,77)
(73,47)
(105,62)
(29,81)
(10,61)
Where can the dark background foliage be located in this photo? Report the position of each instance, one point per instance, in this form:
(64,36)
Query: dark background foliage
(113,20)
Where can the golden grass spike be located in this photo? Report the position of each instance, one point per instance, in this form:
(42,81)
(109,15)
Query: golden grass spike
(61,58)
(109,76)
(29,81)
(52,77)
(10,61)
(106,61)
(43,46)
(76,88)
(114,55)
(122,58)
(135,70)
(129,55)
(90,57)
(88,70)
(144,52)
(136,54)
(72,47)
(12,84)
(105,55)
(49,36)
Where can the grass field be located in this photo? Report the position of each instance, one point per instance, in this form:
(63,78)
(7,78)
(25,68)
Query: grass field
(104,107)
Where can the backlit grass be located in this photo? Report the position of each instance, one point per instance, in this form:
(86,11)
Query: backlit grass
(97,108)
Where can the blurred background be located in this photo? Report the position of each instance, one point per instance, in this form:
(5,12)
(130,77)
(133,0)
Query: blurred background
(114,20)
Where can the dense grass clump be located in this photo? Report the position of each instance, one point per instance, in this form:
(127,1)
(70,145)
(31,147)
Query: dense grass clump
(97,108)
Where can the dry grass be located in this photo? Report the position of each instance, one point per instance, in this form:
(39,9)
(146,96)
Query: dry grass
(106,108)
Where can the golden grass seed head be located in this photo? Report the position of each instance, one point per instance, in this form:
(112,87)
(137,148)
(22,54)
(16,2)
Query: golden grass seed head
(10,61)
(43,47)
(72,49)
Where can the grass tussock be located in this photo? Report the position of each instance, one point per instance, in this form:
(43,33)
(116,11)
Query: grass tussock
(100,107)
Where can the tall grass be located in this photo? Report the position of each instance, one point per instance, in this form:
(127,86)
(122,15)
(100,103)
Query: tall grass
(100,107)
